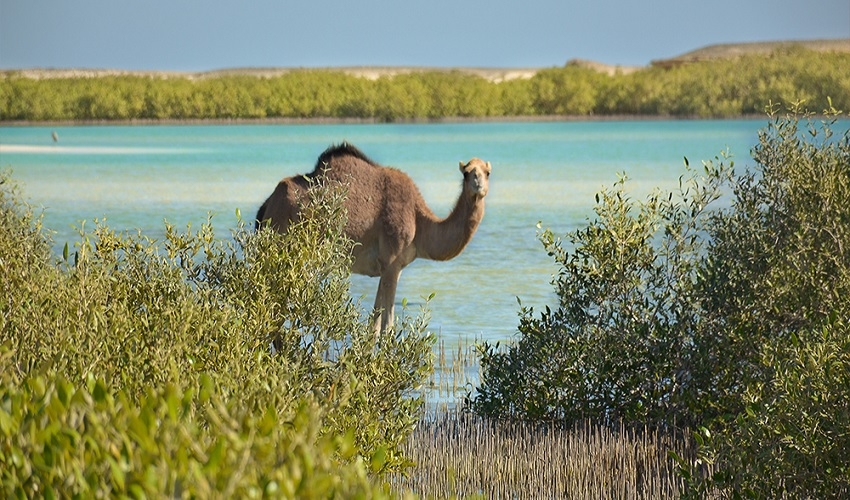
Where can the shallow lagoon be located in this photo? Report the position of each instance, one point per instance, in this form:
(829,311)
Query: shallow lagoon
(548,172)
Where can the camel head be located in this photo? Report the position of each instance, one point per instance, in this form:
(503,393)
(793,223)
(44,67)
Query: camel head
(476,177)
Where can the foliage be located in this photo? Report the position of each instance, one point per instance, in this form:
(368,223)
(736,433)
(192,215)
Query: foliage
(777,285)
(198,315)
(722,306)
(84,440)
(616,347)
(792,437)
(720,88)
(778,261)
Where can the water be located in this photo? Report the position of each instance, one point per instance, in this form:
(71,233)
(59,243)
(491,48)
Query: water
(138,176)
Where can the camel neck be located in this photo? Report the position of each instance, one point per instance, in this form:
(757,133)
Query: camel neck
(443,239)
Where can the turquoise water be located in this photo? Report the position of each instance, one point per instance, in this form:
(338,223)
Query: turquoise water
(138,176)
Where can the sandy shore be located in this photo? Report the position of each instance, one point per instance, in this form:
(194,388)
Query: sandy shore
(495,75)
(369,72)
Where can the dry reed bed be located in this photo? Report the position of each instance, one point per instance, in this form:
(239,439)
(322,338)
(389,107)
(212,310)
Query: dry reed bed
(462,455)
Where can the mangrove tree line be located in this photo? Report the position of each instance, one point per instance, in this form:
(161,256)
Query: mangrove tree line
(720,88)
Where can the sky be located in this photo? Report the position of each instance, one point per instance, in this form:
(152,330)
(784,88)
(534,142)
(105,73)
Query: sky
(195,35)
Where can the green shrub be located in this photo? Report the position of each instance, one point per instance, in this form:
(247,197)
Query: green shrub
(776,293)
(197,313)
(721,306)
(777,261)
(792,437)
(58,438)
(616,347)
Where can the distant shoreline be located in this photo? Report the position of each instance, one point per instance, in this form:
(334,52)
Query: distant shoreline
(372,121)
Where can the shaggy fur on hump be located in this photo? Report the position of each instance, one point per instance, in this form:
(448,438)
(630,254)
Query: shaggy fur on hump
(343,149)
(333,151)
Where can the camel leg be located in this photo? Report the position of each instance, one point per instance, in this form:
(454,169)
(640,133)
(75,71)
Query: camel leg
(383,316)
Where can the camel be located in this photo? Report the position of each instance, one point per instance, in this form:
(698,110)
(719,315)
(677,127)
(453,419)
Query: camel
(388,218)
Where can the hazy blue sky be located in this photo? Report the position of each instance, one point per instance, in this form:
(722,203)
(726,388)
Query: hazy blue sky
(193,35)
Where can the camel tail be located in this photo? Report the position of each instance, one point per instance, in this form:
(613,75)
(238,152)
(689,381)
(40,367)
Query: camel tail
(260,214)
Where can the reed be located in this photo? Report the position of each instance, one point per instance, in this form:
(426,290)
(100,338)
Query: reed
(457,454)
(456,373)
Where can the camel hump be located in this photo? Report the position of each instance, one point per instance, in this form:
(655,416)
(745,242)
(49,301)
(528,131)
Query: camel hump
(341,150)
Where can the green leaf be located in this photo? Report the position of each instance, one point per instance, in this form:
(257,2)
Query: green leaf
(116,473)
(378,459)
(7,426)
(269,421)
(100,393)
(216,454)
(207,387)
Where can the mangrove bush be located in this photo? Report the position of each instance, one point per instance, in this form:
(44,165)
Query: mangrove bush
(194,365)
(722,307)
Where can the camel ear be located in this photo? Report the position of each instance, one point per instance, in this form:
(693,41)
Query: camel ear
(461,165)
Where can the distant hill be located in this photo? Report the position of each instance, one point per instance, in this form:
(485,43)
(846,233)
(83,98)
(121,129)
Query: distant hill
(732,50)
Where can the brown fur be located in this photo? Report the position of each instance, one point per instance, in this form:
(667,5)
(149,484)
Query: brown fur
(387,217)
